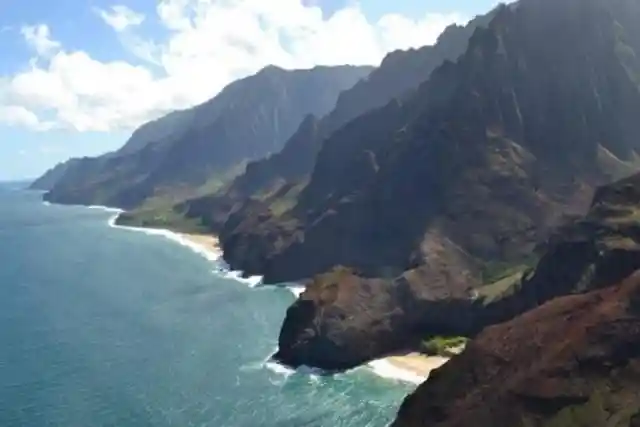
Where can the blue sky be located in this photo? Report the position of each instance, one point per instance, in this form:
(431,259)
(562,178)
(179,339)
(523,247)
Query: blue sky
(77,76)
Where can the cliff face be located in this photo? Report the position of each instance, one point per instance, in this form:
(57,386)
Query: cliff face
(574,362)
(168,128)
(590,253)
(493,146)
(400,73)
(188,149)
(269,181)
(343,320)
(573,358)
(472,171)
(53,175)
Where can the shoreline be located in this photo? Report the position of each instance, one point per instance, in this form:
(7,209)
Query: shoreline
(411,368)
(205,245)
(206,242)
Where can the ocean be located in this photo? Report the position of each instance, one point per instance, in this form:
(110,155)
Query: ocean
(104,326)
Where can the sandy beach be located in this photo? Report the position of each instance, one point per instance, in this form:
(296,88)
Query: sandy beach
(209,246)
(414,368)
(419,364)
(206,242)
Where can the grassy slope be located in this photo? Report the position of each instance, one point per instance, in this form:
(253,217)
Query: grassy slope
(162,210)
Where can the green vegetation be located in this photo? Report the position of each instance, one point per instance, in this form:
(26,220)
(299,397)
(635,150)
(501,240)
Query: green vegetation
(615,167)
(601,409)
(503,287)
(161,213)
(280,204)
(221,180)
(443,346)
(622,215)
(493,272)
(502,278)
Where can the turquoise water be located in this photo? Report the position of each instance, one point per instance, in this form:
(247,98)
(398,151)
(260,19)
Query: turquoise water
(108,327)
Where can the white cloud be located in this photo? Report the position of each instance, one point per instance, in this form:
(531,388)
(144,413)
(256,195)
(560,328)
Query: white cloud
(15,115)
(120,17)
(210,43)
(399,32)
(39,38)
(175,13)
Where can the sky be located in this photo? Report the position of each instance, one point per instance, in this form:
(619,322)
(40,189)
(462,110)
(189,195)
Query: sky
(78,76)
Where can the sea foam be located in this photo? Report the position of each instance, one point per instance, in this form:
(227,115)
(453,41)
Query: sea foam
(385,369)
(208,253)
(103,208)
(251,281)
(279,369)
(296,290)
(284,371)
(381,368)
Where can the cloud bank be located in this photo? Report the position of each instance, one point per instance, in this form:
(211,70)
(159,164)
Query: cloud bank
(205,45)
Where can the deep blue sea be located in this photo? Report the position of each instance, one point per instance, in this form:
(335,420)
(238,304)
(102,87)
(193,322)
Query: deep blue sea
(101,326)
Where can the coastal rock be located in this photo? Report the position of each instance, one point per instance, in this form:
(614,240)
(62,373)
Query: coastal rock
(344,320)
(574,362)
(322,313)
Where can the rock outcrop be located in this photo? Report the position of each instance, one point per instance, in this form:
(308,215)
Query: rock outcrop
(573,358)
(574,362)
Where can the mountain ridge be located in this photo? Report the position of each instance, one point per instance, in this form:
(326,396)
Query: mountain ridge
(399,73)
(181,151)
